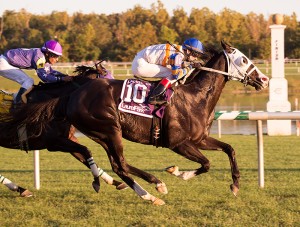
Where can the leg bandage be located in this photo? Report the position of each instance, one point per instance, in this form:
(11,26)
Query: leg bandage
(108,179)
(8,183)
(93,167)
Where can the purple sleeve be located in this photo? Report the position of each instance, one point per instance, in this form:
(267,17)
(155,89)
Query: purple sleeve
(48,75)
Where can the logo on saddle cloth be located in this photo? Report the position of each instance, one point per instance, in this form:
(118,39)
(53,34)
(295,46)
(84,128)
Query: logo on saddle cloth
(134,98)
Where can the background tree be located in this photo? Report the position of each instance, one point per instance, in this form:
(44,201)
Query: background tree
(120,36)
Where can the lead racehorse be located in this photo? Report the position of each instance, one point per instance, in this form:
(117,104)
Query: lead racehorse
(185,125)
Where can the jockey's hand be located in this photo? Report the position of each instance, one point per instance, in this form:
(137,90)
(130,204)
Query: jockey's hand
(196,64)
(185,64)
(67,78)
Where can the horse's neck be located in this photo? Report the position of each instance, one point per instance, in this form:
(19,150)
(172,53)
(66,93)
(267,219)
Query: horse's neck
(211,83)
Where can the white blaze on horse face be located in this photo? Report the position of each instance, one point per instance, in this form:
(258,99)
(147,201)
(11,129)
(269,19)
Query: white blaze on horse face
(238,65)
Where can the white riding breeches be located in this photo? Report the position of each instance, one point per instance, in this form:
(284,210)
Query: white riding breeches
(140,67)
(13,73)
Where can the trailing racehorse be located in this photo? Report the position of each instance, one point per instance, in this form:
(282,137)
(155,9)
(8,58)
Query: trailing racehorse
(185,123)
(59,135)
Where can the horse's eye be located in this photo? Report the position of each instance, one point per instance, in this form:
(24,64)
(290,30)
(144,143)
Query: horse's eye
(245,61)
(242,61)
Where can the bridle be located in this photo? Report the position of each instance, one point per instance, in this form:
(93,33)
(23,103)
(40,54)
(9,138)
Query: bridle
(238,69)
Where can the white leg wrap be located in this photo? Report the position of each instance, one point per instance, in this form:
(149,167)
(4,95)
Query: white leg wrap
(148,197)
(93,167)
(8,183)
(108,179)
(176,172)
(188,174)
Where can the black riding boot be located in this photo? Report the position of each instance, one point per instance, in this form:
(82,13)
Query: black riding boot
(156,97)
(19,95)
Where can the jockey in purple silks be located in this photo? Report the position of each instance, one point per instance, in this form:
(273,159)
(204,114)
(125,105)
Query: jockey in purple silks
(166,61)
(13,61)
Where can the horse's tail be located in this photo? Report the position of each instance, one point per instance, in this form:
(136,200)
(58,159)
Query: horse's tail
(35,116)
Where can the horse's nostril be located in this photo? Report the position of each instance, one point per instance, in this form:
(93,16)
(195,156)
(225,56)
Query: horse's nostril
(264,79)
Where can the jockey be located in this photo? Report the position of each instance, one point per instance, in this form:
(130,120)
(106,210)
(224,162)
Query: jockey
(166,61)
(13,61)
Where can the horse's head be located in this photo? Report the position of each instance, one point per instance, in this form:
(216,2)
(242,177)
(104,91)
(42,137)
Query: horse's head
(97,71)
(83,71)
(242,69)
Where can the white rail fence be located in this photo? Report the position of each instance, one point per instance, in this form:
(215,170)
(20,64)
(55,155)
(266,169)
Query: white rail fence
(258,117)
(221,115)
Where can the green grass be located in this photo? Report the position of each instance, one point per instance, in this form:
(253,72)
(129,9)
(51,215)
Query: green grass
(66,197)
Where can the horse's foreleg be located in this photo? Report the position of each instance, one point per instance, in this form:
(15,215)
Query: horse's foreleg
(119,165)
(160,186)
(191,152)
(13,187)
(213,144)
(101,173)
(137,188)
(59,143)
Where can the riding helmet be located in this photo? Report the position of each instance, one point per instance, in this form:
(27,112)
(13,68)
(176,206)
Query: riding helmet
(193,45)
(52,46)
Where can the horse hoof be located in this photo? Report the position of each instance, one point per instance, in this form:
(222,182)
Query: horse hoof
(26,193)
(121,186)
(234,189)
(162,188)
(171,169)
(158,202)
(96,186)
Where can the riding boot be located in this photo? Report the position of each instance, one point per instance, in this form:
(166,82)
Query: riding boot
(156,97)
(19,95)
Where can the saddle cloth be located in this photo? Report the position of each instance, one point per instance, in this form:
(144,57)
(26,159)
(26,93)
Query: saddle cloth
(134,99)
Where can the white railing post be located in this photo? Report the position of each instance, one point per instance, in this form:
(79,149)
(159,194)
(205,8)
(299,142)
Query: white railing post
(260,146)
(37,169)
(219,128)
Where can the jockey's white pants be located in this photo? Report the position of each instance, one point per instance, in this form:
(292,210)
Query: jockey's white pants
(13,73)
(141,67)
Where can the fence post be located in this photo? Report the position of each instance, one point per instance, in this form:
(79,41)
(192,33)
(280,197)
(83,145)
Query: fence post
(297,121)
(37,169)
(260,145)
(219,128)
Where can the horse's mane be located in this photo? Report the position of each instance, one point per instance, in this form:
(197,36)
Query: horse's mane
(210,53)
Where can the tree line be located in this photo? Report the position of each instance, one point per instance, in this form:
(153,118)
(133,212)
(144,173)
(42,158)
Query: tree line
(119,37)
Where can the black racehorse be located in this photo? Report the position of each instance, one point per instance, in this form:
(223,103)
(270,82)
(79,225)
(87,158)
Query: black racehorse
(93,109)
(59,135)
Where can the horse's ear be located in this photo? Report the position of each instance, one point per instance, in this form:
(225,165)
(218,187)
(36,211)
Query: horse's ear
(226,46)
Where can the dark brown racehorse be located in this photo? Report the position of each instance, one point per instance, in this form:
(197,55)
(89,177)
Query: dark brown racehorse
(93,109)
(59,135)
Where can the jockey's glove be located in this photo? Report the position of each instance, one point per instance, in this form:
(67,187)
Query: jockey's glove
(196,64)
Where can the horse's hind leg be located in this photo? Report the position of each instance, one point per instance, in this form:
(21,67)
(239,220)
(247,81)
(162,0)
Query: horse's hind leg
(13,187)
